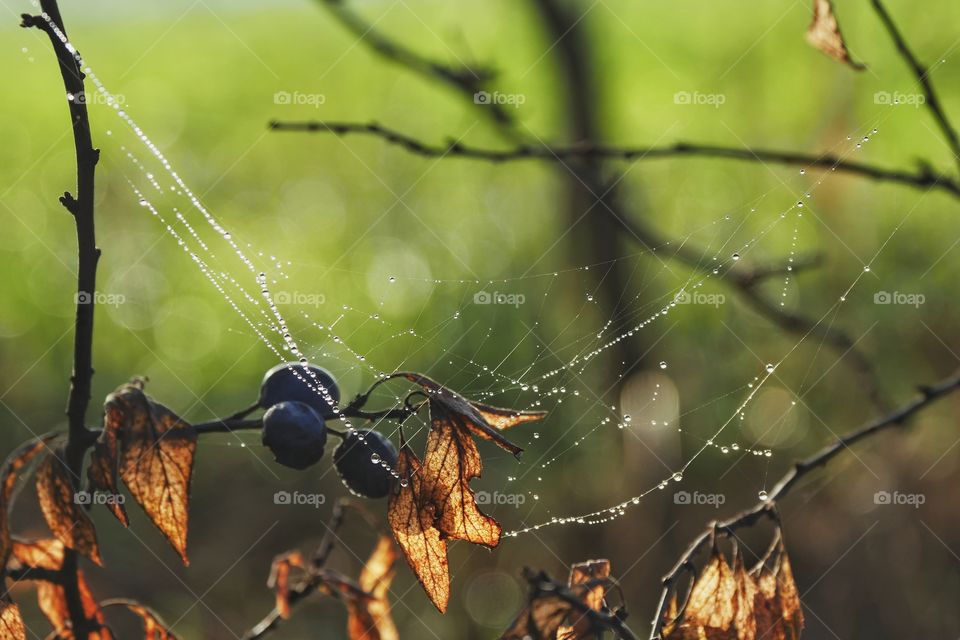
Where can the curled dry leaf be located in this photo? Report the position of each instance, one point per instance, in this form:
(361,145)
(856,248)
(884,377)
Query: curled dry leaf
(63,512)
(370,619)
(279,579)
(732,603)
(48,554)
(9,474)
(11,623)
(153,627)
(824,34)
(436,502)
(555,613)
(412,519)
(156,451)
(450,462)
(480,419)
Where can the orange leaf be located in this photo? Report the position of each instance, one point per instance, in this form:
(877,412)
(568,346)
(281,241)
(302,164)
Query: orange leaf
(450,462)
(48,554)
(58,500)
(824,34)
(156,461)
(371,620)
(8,482)
(153,627)
(411,516)
(727,603)
(279,579)
(11,623)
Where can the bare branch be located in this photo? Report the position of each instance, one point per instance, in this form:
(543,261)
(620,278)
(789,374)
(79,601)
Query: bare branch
(922,178)
(767,508)
(81,206)
(923,77)
(463,79)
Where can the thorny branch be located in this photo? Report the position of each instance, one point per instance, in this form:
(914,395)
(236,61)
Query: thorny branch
(81,206)
(768,508)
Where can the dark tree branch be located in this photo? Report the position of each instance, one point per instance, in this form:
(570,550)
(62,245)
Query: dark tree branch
(923,77)
(463,79)
(922,178)
(81,207)
(767,508)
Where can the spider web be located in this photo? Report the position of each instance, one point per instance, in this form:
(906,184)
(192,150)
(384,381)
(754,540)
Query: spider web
(247,280)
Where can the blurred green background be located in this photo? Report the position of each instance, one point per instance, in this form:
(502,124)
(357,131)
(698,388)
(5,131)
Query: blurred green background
(343,216)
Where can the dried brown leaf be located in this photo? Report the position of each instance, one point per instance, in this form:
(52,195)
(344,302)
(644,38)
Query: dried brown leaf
(541,619)
(411,514)
(156,459)
(11,623)
(371,620)
(450,462)
(727,603)
(480,419)
(280,578)
(153,627)
(48,553)
(66,518)
(824,34)
(9,474)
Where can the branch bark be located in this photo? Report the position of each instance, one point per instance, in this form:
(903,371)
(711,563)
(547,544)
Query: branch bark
(81,206)
(922,178)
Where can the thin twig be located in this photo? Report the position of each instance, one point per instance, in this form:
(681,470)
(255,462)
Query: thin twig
(767,508)
(923,77)
(81,206)
(922,178)
(466,80)
(271,621)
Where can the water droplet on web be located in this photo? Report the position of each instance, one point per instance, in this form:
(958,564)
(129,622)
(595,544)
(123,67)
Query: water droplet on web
(803,171)
(771,368)
(735,256)
(392,279)
(763,495)
(677,477)
(663,364)
(375,458)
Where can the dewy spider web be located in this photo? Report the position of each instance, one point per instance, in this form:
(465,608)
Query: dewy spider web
(260,312)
